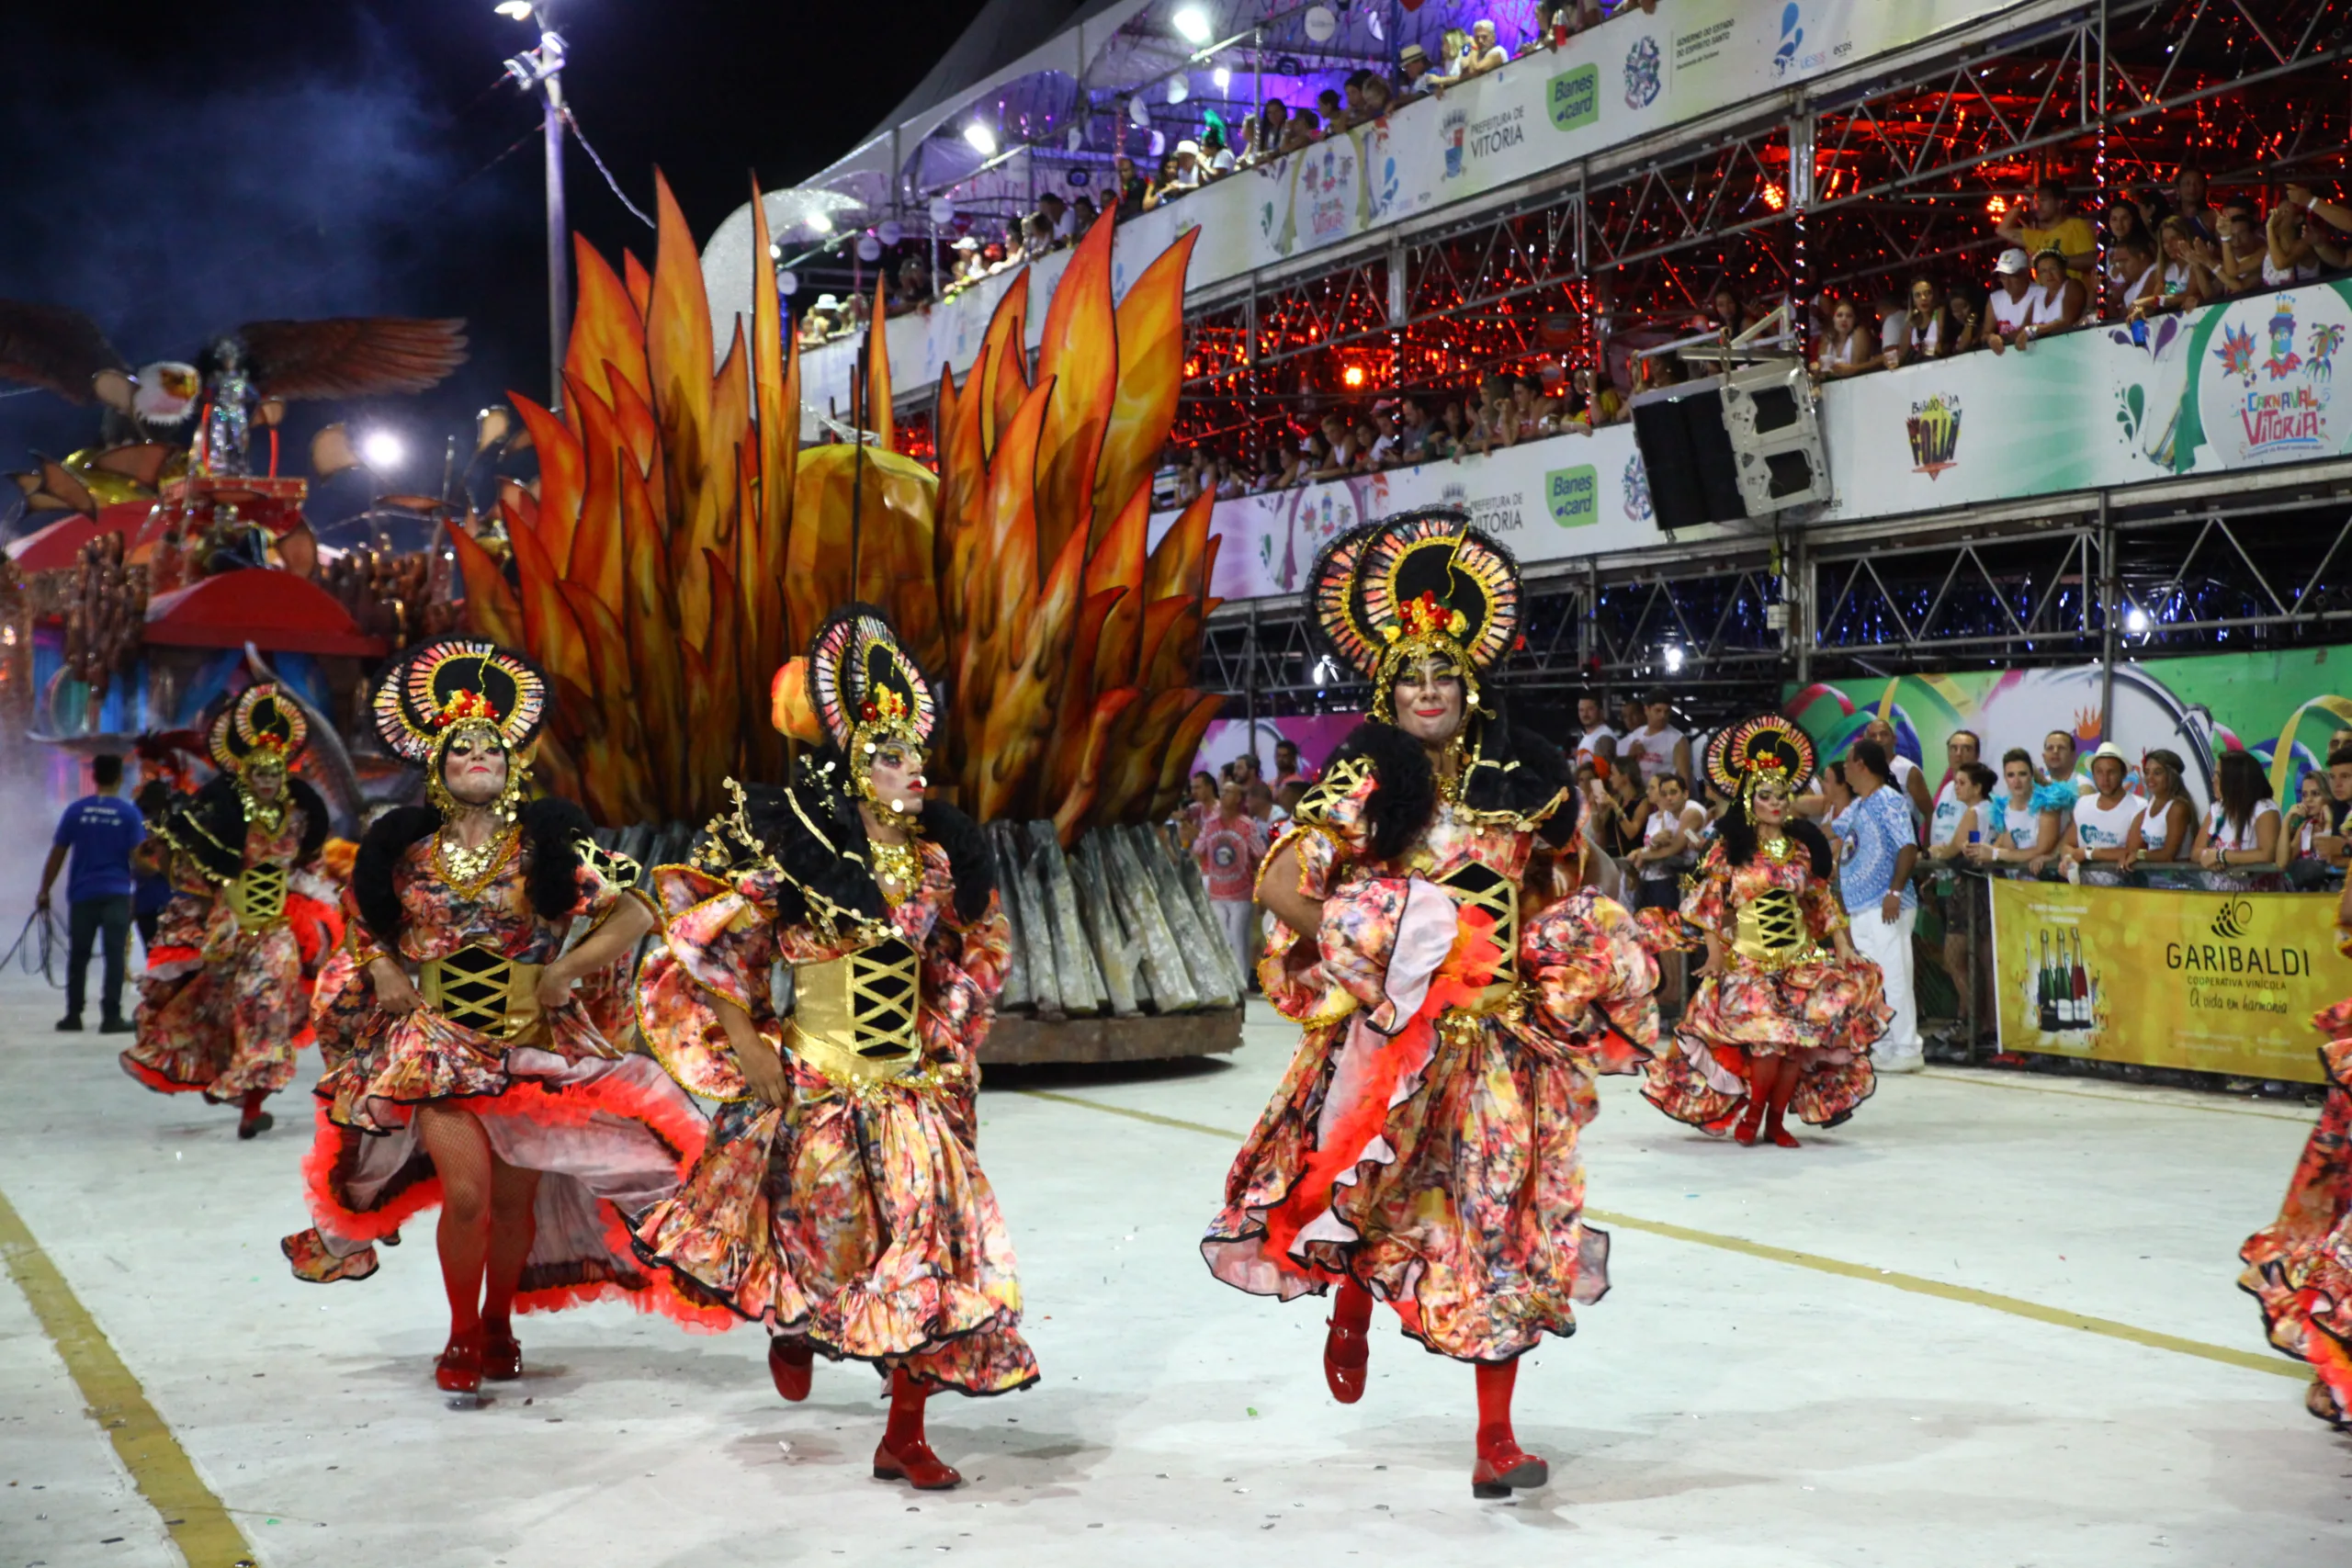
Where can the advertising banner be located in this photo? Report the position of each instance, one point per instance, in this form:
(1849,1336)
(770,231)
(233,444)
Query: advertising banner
(2237,385)
(1610,85)
(2283,707)
(1568,495)
(2211,982)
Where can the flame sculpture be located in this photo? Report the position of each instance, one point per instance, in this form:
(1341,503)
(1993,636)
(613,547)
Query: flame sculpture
(681,543)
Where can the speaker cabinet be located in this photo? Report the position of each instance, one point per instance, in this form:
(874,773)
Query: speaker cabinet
(1694,474)
(1775,438)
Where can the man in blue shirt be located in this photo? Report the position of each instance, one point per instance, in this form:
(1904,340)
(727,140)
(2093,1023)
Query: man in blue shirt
(1876,881)
(154,888)
(100,831)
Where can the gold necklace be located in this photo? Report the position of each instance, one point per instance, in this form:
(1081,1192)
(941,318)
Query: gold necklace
(898,863)
(268,817)
(466,870)
(1778,850)
(1449,772)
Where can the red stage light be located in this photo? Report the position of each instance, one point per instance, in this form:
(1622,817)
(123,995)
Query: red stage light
(1774,196)
(1352,377)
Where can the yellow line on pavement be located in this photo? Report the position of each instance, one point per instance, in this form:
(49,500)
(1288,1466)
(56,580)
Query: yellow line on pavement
(1918,1285)
(199,1525)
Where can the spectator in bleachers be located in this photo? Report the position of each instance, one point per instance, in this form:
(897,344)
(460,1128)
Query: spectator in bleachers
(2334,214)
(1879,902)
(2244,248)
(1415,434)
(1216,158)
(1036,235)
(2059,299)
(2189,203)
(2043,223)
(2166,826)
(1484,55)
(1331,107)
(1847,348)
(1128,189)
(2024,829)
(2010,304)
(1057,213)
(1929,332)
(1165,184)
(1731,313)
(913,289)
(1603,403)
(2296,250)
(1454,429)
(1339,448)
(2310,819)
(2123,223)
(1083,212)
(2063,775)
(2184,278)
(1412,72)
(1301,132)
(1964,309)
(2241,828)
(1273,121)
(1362,440)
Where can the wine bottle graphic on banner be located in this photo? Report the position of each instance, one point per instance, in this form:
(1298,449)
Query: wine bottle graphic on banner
(2047,990)
(2079,985)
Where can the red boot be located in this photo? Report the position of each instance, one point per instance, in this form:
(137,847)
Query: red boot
(502,1355)
(1750,1121)
(903,1454)
(788,1363)
(459,1369)
(1502,1465)
(1347,1348)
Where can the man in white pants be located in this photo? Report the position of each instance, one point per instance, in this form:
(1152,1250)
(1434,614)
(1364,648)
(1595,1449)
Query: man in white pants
(1229,847)
(1876,881)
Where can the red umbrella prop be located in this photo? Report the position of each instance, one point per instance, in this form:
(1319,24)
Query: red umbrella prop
(275,611)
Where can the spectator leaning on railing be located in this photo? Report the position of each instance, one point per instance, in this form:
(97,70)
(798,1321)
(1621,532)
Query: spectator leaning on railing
(2166,826)
(2241,828)
(2042,223)
(2059,298)
(2011,301)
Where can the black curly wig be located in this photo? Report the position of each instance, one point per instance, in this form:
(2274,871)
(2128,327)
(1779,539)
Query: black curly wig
(551,831)
(1506,770)
(1737,835)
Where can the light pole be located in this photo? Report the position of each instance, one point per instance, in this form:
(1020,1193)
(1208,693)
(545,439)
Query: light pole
(541,71)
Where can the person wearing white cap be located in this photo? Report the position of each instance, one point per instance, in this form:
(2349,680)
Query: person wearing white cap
(2011,303)
(2103,818)
(1188,165)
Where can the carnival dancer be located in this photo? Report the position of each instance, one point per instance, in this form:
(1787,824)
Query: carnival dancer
(841,1201)
(225,1001)
(462,1069)
(1457,994)
(2300,1266)
(1776,1020)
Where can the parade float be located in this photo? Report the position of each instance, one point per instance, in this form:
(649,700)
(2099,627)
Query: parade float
(681,546)
(175,559)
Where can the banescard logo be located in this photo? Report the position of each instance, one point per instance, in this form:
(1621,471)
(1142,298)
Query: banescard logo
(2235,919)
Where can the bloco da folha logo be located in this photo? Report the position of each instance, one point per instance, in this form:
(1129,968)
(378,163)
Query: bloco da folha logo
(1642,74)
(1934,430)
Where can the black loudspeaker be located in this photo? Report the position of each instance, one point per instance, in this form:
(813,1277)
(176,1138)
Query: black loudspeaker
(1693,472)
(1769,414)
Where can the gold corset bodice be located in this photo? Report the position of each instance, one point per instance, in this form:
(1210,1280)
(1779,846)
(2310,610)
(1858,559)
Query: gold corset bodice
(1771,930)
(258,896)
(853,1017)
(480,988)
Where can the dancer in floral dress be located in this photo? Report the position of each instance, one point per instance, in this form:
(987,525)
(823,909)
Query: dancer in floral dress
(841,1201)
(2300,1266)
(1458,992)
(1777,1019)
(462,1068)
(225,1001)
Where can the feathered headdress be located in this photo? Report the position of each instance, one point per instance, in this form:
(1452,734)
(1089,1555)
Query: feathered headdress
(259,726)
(1767,747)
(1386,593)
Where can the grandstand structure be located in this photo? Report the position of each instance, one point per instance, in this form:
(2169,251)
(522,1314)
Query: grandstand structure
(1586,199)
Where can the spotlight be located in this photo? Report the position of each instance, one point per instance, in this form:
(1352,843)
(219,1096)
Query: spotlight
(982,138)
(1674,658)
(381,450)
(518,10)
(1192,24)
(2135,621)
(819,224)
(1222,77)
(1774,197)
(1352,376)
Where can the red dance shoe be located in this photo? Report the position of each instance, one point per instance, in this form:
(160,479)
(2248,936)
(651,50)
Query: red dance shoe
(916,1465)
(1346,1352)
(1750,1123)
(254,1126)
(1785,1138)
(458,1370)
(788,1364)
(1502,1468)
(502,1356)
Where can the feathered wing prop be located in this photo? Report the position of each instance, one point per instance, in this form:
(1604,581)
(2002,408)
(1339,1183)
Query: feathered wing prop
(352,357)
(54,347)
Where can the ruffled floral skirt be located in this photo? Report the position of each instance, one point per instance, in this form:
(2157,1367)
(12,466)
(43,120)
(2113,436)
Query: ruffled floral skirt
(1439,1166)
(858,1220)
(222,1017)
(2300,1266)
(610,1135)
(1822,1016)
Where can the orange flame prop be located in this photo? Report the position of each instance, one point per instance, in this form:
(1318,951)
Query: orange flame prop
(681,546)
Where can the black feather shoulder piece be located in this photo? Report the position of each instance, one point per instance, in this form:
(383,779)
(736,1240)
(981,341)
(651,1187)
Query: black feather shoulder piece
(551,831)
(1817,842)
(209,827)
(380,851)
(1404,795)
(969,859)
(811,830)
(1518,772)
(316,818)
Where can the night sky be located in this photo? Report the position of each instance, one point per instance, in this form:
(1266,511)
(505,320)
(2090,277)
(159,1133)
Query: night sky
(173,170)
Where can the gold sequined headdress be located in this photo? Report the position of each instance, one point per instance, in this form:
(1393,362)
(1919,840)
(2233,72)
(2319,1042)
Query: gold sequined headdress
(458,686)
(1385,593)
(867,688)
(259,726)
(1755,750)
